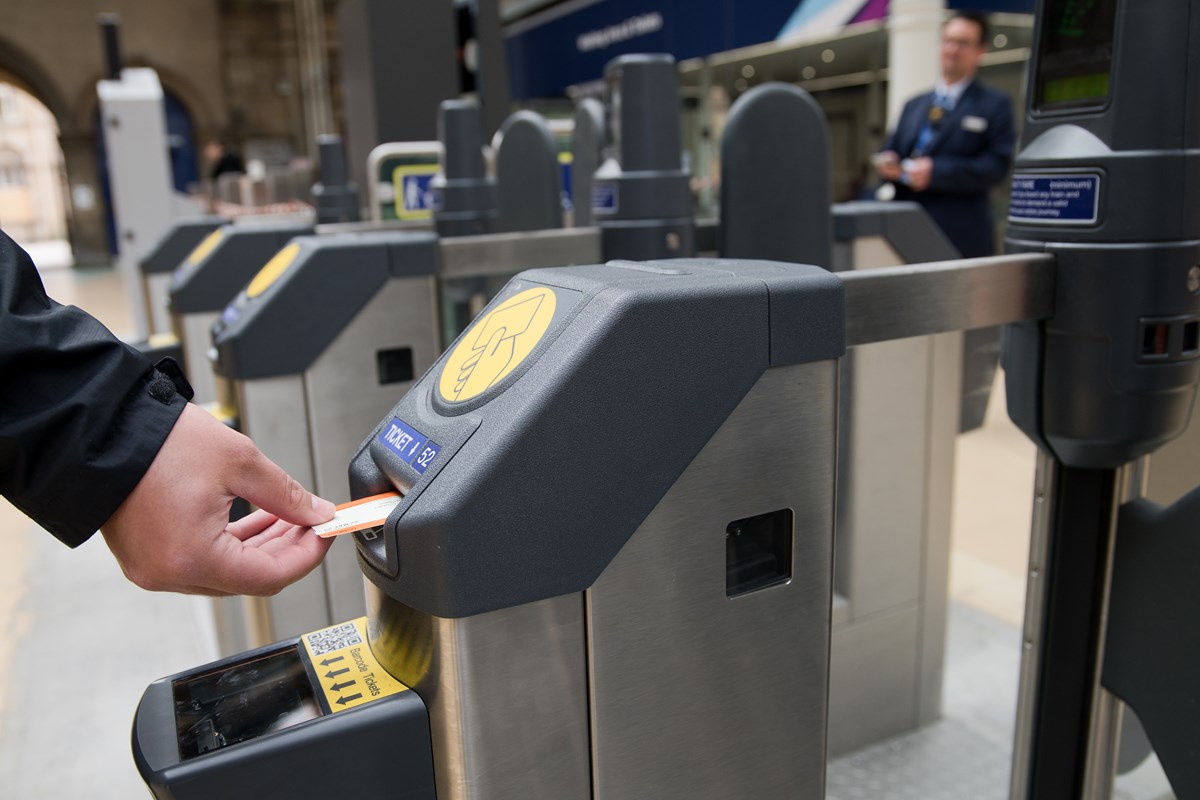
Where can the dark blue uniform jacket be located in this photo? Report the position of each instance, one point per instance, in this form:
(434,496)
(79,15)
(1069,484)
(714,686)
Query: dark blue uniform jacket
(972,149)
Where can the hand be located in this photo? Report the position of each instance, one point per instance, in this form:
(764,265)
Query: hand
(887,164)
(173,532)
(920,172)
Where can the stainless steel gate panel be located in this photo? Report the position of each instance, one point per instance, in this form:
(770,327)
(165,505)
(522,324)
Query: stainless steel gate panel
(506,692)
(195,339)
(345,398)
(693,691)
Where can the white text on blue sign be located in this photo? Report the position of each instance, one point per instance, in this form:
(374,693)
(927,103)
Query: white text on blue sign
(1055,199)
(604,198)
(412,446)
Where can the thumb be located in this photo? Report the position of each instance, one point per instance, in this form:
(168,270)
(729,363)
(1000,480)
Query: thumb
(261,482)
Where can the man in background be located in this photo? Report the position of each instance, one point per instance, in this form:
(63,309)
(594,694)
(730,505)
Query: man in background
(222,159)
(952,145)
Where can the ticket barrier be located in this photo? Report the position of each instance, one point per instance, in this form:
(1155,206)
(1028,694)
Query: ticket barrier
(571,576)
(896,530)
(176,244)
(583,604)
(476,270)
(318,346)
(640,193)
(898,422)
(212,273)
(889,533)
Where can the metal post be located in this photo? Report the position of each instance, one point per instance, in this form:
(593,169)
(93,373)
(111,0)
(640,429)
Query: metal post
(1067,726)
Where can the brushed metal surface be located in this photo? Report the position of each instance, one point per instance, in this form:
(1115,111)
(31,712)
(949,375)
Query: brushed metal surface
(873,669)
(345,400)
(944,412)
(697,695)
(272,412)
(157,293)
(899,421)
(195,340)
(1044,481)
(920,299)
(506,693)
(344,397)
(882,475)
(507,253)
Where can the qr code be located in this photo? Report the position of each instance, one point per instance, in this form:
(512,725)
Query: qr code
(335,638)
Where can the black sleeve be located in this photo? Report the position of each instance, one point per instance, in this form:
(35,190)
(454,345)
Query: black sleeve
(82,415)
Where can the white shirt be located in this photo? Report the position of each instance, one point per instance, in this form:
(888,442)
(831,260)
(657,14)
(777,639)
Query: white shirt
(952,92)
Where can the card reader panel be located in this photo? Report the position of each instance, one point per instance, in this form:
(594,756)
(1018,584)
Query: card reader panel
(311,717)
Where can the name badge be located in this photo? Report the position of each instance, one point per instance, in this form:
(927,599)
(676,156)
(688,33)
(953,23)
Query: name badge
(974,124)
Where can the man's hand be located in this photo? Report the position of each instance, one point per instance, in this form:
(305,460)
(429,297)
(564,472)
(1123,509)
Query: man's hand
(919,172)
(173,533)
(887,164)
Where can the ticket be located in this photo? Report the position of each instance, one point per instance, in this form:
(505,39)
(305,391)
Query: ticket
(359,515)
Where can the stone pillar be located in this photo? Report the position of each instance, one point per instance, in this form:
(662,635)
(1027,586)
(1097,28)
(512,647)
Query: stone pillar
(914,41)
(314,73)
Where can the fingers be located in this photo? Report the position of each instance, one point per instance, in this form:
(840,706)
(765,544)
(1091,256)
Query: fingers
(260,481)
(273,563)
(252,524)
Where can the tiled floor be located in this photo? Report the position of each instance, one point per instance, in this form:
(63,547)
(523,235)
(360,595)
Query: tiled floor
(78,643)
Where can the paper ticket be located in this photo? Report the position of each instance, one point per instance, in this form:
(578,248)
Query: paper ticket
(359,515)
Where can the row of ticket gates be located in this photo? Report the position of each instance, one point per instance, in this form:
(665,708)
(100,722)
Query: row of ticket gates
(372,306)
(613,570)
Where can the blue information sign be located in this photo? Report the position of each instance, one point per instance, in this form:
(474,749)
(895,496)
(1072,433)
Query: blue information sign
(604,198)
(414,192)
(1055,199)
(411,445)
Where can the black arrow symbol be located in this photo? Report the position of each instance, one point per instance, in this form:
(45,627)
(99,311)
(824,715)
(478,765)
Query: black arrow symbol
(337,687)
(329,661)
(333,673)
(343,700)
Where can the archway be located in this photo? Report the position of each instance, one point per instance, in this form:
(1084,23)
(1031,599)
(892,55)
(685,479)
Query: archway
(33,197)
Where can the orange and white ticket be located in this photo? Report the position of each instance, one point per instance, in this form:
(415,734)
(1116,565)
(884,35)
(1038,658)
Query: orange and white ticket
(359,515)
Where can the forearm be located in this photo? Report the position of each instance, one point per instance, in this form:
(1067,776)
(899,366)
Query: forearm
(81,414)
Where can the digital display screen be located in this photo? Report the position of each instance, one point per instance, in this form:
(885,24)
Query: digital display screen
(242,701)
(1075,54)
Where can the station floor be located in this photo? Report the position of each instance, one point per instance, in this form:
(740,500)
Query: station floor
(78,643)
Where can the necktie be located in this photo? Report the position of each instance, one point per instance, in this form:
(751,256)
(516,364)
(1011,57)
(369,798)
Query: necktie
(941,104)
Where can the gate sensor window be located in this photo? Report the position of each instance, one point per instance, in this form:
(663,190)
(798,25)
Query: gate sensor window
(758,552)
(395,366)
(242,701)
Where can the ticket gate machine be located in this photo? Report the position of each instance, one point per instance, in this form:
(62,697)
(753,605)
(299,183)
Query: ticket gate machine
(584,600)
(641,193)
(633,502)
(329,331)
(213,273)
(179,240)
(335,196)
(318,346)
(1110,378)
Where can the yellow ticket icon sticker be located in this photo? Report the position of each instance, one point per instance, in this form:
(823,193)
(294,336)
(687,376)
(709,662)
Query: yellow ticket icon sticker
(347,670)
(206,246)
(497,344)
(273,270)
